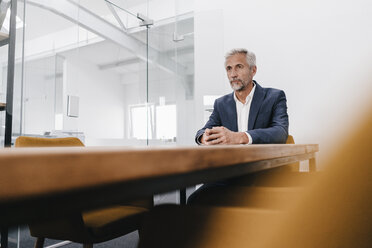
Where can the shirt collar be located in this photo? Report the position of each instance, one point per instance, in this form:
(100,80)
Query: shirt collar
(249,97)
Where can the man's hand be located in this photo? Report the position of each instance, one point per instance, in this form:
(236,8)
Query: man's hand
(222,135)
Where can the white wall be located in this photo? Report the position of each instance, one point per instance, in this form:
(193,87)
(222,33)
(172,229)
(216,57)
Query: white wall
(209,59)
(39,94)
(319,52)
(101,98)
(101,106)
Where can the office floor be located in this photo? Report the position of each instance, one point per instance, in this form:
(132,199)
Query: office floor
(128,241)
(26,241)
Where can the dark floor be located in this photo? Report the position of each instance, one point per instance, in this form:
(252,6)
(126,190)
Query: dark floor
(128,241)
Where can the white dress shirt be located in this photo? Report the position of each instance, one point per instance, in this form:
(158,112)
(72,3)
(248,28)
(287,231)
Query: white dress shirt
(242,111)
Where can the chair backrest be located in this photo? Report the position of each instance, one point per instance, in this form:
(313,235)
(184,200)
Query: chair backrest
(24,141)
(290,140)
(292,166)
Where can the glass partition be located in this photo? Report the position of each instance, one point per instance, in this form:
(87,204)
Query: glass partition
(110,72)
(11,66)
(171,88)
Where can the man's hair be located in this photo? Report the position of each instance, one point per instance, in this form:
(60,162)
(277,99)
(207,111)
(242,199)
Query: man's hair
(250,56)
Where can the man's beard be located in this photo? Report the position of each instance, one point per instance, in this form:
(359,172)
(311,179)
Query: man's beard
(236,86)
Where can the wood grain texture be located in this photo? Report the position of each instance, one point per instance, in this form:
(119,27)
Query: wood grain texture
(39,184)
(33,171)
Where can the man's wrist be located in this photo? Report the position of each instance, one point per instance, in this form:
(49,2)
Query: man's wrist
(243,138)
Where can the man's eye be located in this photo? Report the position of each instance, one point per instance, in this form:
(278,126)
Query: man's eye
(240,66)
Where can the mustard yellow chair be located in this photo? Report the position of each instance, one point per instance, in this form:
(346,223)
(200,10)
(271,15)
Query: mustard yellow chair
(293,166)
(333,211)
(91,226)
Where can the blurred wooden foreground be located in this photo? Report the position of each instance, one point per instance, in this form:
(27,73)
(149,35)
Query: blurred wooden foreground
(45,183)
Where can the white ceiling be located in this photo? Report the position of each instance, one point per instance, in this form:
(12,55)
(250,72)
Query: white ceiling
(36,24)
(160,38)
(41,21)
(106,52)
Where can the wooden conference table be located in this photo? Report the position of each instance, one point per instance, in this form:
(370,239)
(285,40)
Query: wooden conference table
(45,183)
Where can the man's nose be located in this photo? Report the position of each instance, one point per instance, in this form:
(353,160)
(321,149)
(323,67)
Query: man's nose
(233,73)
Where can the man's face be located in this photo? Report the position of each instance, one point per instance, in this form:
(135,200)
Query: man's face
(239,72)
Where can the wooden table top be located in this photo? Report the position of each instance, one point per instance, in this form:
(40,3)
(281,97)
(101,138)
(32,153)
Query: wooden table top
(86,177)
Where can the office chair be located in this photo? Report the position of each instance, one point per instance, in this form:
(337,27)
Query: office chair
(334,211)
(90,226)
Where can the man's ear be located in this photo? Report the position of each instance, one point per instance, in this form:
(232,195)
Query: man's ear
(254,70)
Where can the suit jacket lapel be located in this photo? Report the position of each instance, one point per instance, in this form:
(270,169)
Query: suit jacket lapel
(231,110)
(257,100)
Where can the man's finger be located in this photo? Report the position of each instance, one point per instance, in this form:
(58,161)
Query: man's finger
(215,141)
(204,139)
(216,130)
(213,136)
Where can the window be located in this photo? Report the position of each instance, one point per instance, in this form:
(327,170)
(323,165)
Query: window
(161,122)
(166,122)
(142,121)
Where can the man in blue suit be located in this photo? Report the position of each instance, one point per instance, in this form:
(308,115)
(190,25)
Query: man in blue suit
(249,115)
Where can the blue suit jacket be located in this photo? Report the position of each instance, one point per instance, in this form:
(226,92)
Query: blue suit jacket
(268,118)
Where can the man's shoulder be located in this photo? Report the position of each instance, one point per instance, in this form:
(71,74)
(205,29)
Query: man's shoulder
(225,98)
(272,91)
